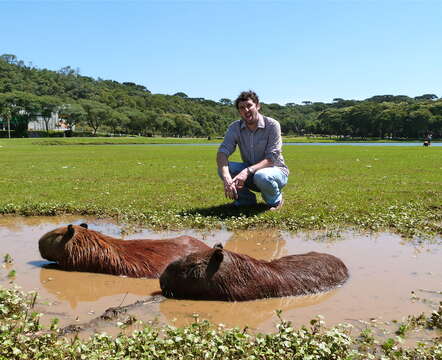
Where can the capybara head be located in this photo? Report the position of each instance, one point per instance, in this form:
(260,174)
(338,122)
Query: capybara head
(193,274)
(52,244)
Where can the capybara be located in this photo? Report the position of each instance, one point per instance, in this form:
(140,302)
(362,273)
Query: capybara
(78,248)
(218,274)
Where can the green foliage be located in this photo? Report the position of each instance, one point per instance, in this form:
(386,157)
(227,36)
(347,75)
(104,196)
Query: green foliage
(7,259)
(434,321)
(5,134)
(130,108)
(42,133)
(22,337)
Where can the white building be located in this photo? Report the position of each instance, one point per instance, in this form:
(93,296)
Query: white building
(54,123)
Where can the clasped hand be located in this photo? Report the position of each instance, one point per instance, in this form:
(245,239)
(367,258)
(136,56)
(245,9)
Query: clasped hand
(232,186)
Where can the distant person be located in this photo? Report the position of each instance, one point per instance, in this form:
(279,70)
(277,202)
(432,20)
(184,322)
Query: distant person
(427,140)
(262,168)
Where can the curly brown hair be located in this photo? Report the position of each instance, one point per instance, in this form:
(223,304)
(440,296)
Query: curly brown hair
(246,95)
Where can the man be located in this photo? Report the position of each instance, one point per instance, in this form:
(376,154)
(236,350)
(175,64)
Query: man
(260,143)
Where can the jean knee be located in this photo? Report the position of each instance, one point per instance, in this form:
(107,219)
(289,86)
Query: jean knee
(262,180)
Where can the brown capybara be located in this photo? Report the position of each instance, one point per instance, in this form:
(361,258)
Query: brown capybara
(77,248)
(218,274)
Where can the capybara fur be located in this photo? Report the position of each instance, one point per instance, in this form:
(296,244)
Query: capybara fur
(218,274)
(77,248)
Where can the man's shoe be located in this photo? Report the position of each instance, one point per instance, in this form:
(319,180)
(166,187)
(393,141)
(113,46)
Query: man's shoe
(277,206)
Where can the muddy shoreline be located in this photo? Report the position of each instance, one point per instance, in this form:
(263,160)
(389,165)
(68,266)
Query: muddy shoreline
(385,272)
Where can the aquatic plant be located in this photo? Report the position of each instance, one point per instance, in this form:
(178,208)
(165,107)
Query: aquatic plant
(22,337)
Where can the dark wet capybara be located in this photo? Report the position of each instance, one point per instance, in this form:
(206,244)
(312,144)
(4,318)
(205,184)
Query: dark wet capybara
(218,274)
(78,248)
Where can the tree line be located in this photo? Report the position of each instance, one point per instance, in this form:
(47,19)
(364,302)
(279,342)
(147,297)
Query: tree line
(128,108)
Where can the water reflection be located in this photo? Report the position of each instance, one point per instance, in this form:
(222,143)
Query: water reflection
(75,287)
(247,313)
(264,244)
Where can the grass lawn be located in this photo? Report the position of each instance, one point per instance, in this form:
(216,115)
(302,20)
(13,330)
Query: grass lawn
(177,186)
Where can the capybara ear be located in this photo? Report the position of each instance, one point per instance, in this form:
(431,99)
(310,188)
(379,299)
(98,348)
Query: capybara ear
(71,230)
(215,262)
(218,255)
(69,233)
(218,246)
(84,225)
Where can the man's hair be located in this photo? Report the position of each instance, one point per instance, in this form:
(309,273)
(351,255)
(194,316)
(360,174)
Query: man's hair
(246,95)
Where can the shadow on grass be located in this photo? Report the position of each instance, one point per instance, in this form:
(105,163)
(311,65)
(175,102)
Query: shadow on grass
(226,211)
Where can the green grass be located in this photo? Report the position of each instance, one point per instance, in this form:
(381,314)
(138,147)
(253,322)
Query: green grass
(177,186)
(399,188)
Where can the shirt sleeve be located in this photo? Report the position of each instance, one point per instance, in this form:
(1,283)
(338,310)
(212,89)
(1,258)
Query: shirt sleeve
(274,144)
(228,145)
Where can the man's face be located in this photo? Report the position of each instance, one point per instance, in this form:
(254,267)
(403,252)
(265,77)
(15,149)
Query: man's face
(249,111)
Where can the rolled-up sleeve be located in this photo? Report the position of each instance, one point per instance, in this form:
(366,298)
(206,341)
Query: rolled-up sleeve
(274,144)
(228,145)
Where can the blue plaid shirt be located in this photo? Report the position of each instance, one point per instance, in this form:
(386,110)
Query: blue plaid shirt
(263,143)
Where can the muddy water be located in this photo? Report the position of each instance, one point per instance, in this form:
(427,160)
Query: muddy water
(384,272)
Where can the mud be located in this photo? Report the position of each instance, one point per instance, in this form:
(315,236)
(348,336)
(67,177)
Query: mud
(384,269)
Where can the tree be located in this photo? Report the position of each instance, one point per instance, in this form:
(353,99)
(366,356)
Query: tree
(167,125)
(151,121)
(381,98)
(18,108)
(181,95)
(96,114)
(391,119)
(9,58)
(137,122)
(332,122)
(116,120)
(72,114)
(185,125)
(225,101)
(6,115)
(68,71)
(359,119)
(418,124)
(426,97)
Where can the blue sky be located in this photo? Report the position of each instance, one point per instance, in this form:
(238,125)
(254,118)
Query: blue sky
(287,51)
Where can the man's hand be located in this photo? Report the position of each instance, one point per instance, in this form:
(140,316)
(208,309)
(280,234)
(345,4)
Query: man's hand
(230,189)
(240,179)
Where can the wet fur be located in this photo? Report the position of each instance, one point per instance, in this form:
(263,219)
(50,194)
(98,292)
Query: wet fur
(77,248)
(218,274)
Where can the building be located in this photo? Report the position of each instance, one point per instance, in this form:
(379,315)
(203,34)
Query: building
(53,123)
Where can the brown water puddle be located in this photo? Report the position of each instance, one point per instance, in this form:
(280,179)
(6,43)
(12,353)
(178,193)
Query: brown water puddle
(384,272)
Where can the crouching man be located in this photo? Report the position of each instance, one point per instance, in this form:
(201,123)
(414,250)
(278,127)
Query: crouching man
(262,168)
